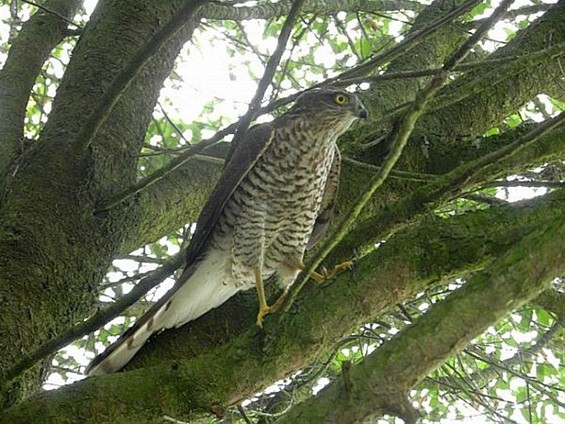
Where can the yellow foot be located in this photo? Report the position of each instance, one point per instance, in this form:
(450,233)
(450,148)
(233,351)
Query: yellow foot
(320,277)
(262,313)
(265,309)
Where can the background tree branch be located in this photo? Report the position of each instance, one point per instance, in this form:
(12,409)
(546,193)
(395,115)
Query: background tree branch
(382,382)
(29,51)
(41,250)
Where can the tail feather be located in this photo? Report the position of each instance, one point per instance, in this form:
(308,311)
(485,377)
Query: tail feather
(200,288)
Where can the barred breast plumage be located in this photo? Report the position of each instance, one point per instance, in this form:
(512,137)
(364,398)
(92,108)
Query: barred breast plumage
(270,216)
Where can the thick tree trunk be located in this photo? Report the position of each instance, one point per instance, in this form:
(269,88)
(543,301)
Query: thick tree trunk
(54,250)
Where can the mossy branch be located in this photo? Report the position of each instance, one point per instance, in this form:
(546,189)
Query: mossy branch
(162,172)
(29,50)
(229,371)
(218,11)
(96,321)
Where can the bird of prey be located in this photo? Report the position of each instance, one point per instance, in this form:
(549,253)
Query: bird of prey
(273,201)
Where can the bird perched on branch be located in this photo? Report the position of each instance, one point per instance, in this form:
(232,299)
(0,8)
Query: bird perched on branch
(273,201)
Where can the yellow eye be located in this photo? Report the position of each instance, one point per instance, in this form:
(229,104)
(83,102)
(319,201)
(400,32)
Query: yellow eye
(340,99)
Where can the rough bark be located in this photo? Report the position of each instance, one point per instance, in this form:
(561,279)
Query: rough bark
(381,383)
(420,199)
(472,105)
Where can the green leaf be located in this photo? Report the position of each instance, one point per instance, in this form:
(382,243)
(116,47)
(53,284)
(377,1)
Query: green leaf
(544,318)
(479,9)
(513,120)
(521,394)
(492,131)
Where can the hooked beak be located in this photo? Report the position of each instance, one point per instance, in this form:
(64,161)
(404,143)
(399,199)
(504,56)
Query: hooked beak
(363,113)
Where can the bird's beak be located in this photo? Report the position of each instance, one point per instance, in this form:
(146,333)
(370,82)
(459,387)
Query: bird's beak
(363,113)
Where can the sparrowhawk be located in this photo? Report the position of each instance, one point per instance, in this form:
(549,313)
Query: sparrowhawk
(273,201)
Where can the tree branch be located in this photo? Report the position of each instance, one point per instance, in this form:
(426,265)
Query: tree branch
(552,301)
(53,12)
(479,100)
(446,187)
(30,49)
(529,58)
(96,321)
(54,191)
(231,366)
(122,80)
(282,8)
(409,42)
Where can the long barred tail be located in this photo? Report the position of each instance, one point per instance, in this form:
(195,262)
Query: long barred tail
(200,288)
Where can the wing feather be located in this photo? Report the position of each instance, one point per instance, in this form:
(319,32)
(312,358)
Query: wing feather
(250,148)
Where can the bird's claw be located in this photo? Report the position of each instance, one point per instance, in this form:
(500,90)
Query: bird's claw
(324,274)
(264,312)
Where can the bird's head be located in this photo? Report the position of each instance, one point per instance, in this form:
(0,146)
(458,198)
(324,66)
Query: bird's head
(331,105)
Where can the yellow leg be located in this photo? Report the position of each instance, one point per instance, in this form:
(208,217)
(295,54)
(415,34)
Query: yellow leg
(263,307)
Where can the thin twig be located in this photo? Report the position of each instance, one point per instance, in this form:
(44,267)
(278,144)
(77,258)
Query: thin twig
(172,124)
(341,28)
(401,175)
(553,51)
(518,183)
(159,174)
(243,414)
(411,41)
(52,12)
(284,71)
(270,70)
(143,259)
